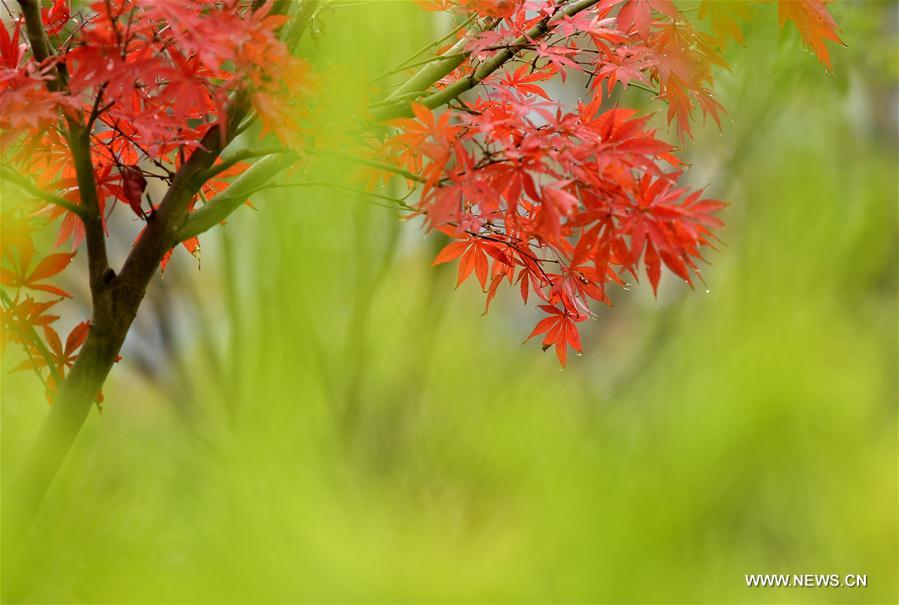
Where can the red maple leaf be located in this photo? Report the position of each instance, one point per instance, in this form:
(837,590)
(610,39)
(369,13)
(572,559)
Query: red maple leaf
(18,275)
(814,23)
(560,330)
(636,15)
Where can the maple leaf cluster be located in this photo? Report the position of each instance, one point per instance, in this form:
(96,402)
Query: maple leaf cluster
(156,76)
(563,201)
(28,320)
(560,200)
(147,81)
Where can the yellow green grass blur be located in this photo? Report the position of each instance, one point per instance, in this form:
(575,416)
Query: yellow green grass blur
(316,415)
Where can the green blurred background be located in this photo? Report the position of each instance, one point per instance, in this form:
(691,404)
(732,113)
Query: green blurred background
(316,415)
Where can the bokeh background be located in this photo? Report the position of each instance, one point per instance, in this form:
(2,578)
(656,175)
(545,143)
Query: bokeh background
(314,414)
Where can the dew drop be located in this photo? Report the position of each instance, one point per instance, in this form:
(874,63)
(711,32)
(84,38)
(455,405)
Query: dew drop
(707,291)
(579,354)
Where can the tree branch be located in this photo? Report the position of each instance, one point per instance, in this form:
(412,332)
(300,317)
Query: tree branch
(170,221)
(374,164)
(231,159)
(78,139)
(161,233)
(98,263)
(297,26)
(468,82)
(433,71)
(50,198)
(34,27)
(222,205)
(40,42)
(407,63)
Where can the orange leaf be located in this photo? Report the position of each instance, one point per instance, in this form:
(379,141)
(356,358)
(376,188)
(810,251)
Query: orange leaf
(50,266)
(814,23)
(77,337)
(450,252)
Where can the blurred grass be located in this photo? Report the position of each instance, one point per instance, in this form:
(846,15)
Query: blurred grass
(346,427)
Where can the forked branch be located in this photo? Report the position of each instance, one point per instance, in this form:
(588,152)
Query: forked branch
(432,73)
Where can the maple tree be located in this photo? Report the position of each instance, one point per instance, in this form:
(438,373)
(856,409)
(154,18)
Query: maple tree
(102,101)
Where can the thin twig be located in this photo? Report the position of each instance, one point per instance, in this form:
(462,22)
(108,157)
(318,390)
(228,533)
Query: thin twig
(374,164)
(36,191)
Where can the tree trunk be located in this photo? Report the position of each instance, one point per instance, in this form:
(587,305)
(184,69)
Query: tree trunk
(70,408)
